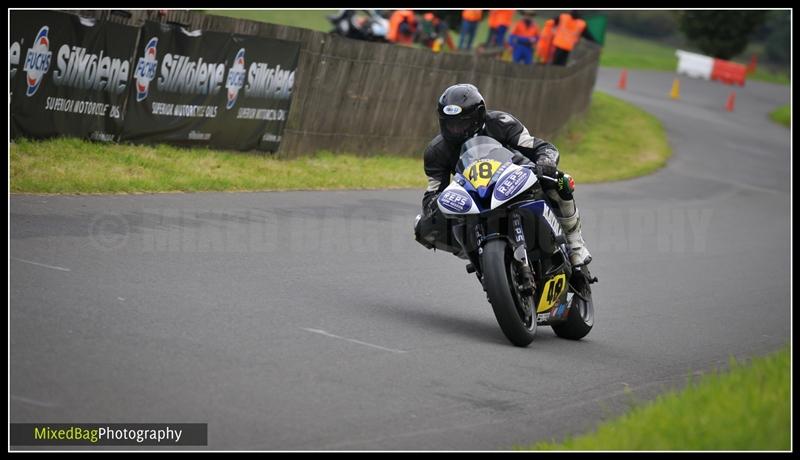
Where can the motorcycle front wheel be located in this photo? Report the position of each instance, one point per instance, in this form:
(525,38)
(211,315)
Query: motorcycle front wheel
(500,284)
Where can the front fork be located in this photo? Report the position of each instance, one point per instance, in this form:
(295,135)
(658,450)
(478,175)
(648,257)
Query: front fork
(519,251)
(521,255)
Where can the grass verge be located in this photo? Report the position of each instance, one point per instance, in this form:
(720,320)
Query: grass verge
(613,141)
(76,166)
(782,115)
(630,52)
(635,53)
(744,408)
(307,19)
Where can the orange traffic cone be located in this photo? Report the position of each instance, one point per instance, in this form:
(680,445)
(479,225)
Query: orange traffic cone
(675,92)
(731,101)
(623,79)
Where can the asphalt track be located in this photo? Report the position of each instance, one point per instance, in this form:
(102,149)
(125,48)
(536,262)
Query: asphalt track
(313,321)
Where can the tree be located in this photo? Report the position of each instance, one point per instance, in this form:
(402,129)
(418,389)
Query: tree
(778,42)
(721,34)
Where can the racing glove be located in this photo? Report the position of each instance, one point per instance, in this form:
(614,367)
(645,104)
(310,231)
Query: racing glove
(546,167)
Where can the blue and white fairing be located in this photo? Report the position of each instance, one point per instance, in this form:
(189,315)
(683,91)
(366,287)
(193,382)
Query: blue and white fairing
(514,180)
(543,210)
(455,200)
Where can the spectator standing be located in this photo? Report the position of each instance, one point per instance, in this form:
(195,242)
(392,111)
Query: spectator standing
(523,38)
(544,48)
(402,27)
(469,24)
(569,31)
(499,23)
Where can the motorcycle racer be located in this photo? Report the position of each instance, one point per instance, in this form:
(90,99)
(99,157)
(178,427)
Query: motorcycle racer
(462,115)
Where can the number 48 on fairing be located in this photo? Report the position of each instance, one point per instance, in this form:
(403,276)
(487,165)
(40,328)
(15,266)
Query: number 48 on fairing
(480,173)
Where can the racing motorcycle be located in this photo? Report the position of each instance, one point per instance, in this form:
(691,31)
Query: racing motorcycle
(497,217)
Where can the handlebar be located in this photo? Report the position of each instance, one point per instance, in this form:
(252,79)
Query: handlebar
(555,179)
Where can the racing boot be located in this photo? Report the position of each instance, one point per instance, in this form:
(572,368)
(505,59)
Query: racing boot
(578,254)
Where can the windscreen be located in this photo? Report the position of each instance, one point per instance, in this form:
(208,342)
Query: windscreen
(482,148)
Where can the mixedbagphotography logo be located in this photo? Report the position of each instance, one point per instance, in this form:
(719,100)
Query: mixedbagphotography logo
(109,434)
(108,231)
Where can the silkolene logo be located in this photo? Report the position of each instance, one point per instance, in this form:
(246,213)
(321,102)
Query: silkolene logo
(37,61)
(146,69)
(236,77)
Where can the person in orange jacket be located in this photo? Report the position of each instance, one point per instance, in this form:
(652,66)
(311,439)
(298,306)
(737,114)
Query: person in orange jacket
(499,23)
(402,27)
(570,29)
(544,48)
(523,38)
(469,24)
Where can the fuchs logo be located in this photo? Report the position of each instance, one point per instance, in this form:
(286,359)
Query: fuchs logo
(236,75)
(146,70)
(452,110)
(37,61)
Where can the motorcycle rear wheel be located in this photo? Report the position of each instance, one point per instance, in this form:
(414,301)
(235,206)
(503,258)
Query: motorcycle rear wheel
(580,318)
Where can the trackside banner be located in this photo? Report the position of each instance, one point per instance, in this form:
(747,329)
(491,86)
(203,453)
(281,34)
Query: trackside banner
(209,89)
(68,75)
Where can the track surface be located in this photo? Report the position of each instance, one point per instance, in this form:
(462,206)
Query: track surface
(313,321)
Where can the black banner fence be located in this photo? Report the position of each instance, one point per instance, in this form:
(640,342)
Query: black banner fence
(68,75)
(90,78)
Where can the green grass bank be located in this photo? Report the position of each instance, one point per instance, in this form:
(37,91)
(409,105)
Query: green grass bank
(744,408)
